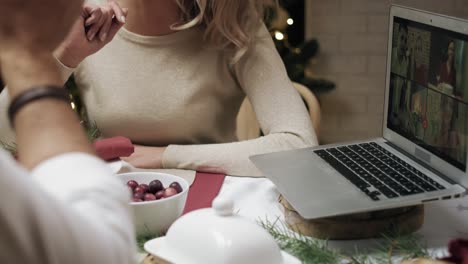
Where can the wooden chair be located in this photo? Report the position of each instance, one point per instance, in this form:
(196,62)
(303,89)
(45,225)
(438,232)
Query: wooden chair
(247,124)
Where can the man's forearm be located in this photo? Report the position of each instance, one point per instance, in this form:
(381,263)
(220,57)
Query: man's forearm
(23,70)
(63,133)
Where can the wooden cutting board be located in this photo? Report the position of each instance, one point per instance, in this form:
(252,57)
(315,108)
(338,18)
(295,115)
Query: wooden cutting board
(402,220)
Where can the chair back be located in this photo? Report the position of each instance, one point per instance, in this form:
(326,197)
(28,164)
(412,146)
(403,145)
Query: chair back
(247,124)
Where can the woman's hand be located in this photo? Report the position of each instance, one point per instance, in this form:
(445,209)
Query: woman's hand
(146,157)
(96,27)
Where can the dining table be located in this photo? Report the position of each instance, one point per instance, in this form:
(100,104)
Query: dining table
(257,199)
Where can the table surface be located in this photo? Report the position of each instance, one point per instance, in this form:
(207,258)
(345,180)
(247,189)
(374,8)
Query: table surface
(257,200)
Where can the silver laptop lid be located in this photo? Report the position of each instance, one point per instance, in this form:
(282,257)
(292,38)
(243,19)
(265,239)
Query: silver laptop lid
(426,96)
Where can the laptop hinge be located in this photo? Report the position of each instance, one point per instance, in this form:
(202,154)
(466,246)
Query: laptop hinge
(436,172)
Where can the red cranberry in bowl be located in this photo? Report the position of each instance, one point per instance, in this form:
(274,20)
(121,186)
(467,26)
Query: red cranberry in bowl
(170,191)
(144,186)
(139,190)
(176,186)
(155,186)
(159,195)
(138,195)
(149,197)
(135,200)
(132,184)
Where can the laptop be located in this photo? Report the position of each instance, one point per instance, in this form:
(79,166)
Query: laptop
(422,154)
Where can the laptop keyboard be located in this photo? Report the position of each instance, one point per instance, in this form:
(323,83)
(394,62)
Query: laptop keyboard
(377,172)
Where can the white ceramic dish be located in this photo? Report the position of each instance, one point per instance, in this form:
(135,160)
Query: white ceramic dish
(155,217)
(157,247)
(217,235)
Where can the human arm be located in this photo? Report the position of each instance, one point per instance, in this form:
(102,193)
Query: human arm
(94,20)
(75,207)
(280,111)
(72,210)
(95,28)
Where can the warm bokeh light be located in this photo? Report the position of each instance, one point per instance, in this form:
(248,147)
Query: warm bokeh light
(290,21)
(279,35)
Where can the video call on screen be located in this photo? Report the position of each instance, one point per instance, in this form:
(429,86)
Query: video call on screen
(428,100)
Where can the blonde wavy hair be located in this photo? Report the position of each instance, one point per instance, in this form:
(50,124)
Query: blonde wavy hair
(228,24)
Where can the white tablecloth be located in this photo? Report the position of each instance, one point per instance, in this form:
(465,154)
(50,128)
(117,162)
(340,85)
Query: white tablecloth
(257,200)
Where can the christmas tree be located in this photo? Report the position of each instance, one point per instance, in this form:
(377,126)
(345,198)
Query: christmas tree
(286,24)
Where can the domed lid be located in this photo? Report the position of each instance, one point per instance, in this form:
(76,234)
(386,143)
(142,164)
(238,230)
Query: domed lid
(217,235)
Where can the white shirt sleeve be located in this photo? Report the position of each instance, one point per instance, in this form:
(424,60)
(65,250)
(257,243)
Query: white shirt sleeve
(72,210)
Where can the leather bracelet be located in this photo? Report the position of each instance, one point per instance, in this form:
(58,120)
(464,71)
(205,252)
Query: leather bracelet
(33,94)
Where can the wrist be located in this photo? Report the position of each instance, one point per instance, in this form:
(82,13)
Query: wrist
(64,56)
(25,69)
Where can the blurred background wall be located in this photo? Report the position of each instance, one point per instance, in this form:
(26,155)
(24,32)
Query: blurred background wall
(353,43)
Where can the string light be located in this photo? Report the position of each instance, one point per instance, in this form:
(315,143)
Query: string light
(73,105)
(290,21)
(279,35)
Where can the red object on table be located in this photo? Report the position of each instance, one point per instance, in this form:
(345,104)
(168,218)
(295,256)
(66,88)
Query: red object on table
(113,148)
(458,249)
(203,190)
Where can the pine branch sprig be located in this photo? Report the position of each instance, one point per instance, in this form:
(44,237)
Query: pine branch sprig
(92,131)
(393,249)
(306,249)
(143,238)
(404,246)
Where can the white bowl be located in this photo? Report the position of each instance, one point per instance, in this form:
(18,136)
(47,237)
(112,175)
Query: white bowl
(155,217)
(115,165)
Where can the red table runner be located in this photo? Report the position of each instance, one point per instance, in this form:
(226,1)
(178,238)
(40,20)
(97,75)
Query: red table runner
(203,190)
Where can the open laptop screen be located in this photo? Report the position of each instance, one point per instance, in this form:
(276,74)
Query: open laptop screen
(428,99)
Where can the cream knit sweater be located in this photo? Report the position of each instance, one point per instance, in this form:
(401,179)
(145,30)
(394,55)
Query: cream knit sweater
(175,91)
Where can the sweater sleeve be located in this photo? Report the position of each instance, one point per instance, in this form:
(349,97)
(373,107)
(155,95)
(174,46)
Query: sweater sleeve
(279,109)
(65,71)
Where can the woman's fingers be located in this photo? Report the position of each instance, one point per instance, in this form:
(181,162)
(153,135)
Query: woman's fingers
(117,20)
(95,28)
(94,17)
(116,26)
(99,20)
(118,11)
(104,31)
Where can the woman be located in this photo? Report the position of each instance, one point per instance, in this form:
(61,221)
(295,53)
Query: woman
(173,79)
(447,73)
